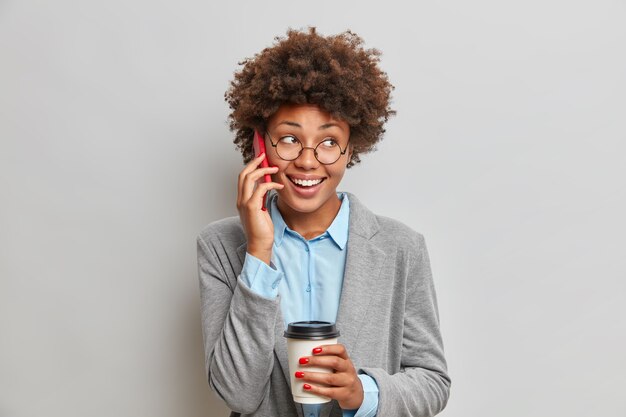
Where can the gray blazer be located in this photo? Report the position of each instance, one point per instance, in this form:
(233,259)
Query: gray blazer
(387,317)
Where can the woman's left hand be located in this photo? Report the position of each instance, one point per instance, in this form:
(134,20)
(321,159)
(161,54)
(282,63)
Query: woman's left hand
(343,384)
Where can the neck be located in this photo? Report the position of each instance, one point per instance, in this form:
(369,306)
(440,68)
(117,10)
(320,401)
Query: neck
(310,225)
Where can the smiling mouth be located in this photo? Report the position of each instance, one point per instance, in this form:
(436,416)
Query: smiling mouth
(306,183)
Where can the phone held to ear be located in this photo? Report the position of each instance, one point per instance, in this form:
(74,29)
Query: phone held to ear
(259,147)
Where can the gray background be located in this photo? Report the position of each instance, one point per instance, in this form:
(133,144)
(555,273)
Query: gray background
(507,153)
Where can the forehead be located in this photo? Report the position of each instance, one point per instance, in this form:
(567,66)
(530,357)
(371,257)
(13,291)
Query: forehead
(303,114)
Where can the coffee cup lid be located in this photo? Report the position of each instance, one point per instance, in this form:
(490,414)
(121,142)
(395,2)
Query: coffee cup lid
(311,330)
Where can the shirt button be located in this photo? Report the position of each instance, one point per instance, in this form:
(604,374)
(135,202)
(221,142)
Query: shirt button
(306,248)
(308,288)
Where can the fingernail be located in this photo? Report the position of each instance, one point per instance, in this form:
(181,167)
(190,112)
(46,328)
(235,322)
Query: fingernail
(317,350)
(299,374)
(304,361)
(306,386)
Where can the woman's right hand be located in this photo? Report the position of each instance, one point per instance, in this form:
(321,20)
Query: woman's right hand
(257,223)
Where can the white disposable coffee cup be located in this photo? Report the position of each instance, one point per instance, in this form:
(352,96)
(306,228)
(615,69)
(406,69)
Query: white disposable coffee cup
(302,337)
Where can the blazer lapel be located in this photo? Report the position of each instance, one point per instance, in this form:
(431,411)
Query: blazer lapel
(364,263)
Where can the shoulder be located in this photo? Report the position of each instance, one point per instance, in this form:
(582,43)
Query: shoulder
(227,231)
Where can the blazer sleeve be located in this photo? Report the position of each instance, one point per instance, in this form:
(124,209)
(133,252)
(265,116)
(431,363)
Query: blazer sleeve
(238,327)
(422,387)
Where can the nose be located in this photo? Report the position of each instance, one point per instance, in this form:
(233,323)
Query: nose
(307,159)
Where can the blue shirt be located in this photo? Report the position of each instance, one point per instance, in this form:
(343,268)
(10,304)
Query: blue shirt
(308,275)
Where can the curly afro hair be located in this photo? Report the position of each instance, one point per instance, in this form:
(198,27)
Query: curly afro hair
(334,72)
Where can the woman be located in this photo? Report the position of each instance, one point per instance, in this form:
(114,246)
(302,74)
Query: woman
(315,253)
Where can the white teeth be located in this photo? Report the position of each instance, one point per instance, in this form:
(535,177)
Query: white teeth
(306,183)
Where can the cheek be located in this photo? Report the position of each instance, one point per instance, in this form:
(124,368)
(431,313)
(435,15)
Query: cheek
(275,162)
(337,174)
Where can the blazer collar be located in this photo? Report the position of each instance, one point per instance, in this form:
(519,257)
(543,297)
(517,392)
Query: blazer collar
(362,221)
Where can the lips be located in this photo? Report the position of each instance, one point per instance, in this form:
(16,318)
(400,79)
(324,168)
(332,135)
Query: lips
(304,190)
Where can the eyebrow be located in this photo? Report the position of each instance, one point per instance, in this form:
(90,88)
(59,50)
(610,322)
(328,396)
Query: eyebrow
(324,126)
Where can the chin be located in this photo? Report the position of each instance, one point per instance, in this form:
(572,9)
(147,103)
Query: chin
(303,205)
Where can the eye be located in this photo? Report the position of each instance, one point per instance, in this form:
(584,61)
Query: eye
(288,140)
(328,143)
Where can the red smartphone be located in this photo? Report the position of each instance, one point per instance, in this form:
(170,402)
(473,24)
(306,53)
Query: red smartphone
(259,147)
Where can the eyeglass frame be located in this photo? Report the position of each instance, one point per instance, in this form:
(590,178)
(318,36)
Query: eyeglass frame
(302,148)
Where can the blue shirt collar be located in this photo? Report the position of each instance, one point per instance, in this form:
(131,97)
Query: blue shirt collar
(338,229)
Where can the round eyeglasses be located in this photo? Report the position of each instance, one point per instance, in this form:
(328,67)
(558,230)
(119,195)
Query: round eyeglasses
(289,148)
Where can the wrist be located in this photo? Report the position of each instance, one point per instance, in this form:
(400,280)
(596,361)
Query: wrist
(264,255)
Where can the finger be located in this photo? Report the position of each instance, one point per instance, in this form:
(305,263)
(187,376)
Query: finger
(256,200)
(251,166)
(336,349)
(251,179)
(332,393)
(327,361)
(335,379)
